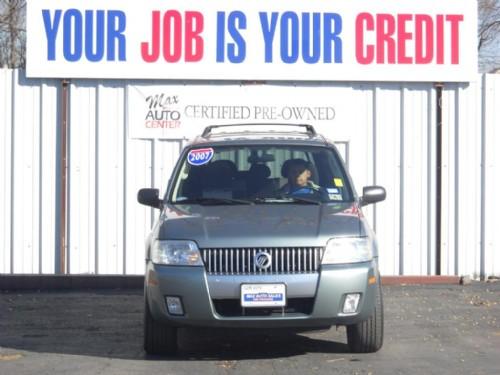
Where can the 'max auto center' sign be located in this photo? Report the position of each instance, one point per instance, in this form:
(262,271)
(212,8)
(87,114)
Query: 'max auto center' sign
(361,40)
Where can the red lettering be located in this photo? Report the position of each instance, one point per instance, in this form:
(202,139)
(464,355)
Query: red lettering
(455,38)
(439,40)
(194,42)
(155,40)
(172,36)
(173,45)
(364,55)
(403,36)
(162,124)
(408,38)
(385,41)
(424,31)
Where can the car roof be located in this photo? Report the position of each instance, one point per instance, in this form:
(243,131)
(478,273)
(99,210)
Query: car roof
(251,134)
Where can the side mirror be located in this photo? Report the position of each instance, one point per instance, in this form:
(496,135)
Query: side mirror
(149,197)
(372,194)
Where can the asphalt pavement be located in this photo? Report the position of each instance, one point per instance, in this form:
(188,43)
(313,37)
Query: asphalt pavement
(432,329)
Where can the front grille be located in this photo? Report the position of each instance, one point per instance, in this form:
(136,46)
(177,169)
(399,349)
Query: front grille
(284,260)
(232,308)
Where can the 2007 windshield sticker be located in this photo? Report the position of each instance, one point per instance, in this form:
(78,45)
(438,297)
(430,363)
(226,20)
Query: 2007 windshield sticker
(200,156)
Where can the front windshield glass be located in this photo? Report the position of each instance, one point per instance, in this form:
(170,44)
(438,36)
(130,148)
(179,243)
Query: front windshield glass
(261,174)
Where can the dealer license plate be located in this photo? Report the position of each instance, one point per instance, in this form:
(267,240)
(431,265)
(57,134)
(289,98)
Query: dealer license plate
(263,295)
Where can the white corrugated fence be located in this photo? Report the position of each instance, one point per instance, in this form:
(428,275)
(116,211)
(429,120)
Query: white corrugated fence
(386,131)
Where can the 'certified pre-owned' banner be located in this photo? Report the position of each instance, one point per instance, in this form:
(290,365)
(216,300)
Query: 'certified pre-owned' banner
(325,40)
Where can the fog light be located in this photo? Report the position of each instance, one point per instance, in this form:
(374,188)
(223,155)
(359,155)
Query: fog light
(351,303)
(174,306)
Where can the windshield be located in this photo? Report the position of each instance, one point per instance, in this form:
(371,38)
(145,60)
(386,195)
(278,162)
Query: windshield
(261,174)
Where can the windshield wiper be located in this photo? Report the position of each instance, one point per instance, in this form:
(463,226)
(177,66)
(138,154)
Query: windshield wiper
(286,199)
(303,200)
(213,201)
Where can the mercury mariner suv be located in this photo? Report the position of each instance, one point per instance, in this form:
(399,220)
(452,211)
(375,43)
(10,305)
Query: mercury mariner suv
(261,229)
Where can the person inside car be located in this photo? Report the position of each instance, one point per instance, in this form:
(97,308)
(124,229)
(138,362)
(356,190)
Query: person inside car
(299,173)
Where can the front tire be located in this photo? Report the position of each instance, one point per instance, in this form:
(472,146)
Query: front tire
(368,336)
(158,338)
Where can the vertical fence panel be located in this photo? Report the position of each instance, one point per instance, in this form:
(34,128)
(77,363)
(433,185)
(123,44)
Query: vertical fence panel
(26,177)
(110,133)
(448,188)
(49,163)
(6,172)
(362,163)
(166,154)
(491,178)
(415,156)
(387,117)
(139,218)
(468,182)
(431,183)
(82,180)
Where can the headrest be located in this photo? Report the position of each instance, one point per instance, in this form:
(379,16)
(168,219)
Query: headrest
(218,174)
(259,171)
(223,165)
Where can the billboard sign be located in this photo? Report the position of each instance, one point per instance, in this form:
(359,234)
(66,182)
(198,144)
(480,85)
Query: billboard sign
(314,40)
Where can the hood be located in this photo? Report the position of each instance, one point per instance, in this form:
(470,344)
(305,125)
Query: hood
(260,225)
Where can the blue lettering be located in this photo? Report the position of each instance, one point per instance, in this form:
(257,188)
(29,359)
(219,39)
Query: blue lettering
(99,35)
(116,28)
(236,52)
(290,37)
(331,35)
(309,56)
(51,31)
(72,25)
(221,26)
(268,31)
(95,31)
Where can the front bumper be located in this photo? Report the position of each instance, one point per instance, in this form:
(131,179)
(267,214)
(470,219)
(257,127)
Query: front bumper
(197,292)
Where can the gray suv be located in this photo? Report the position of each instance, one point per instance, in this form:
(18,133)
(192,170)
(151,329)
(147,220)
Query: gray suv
(261,229)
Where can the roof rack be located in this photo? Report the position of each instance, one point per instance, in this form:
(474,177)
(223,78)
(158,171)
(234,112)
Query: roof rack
(208,130)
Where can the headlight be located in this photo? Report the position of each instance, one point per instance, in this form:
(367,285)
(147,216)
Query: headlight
(176,253)
(348,250)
